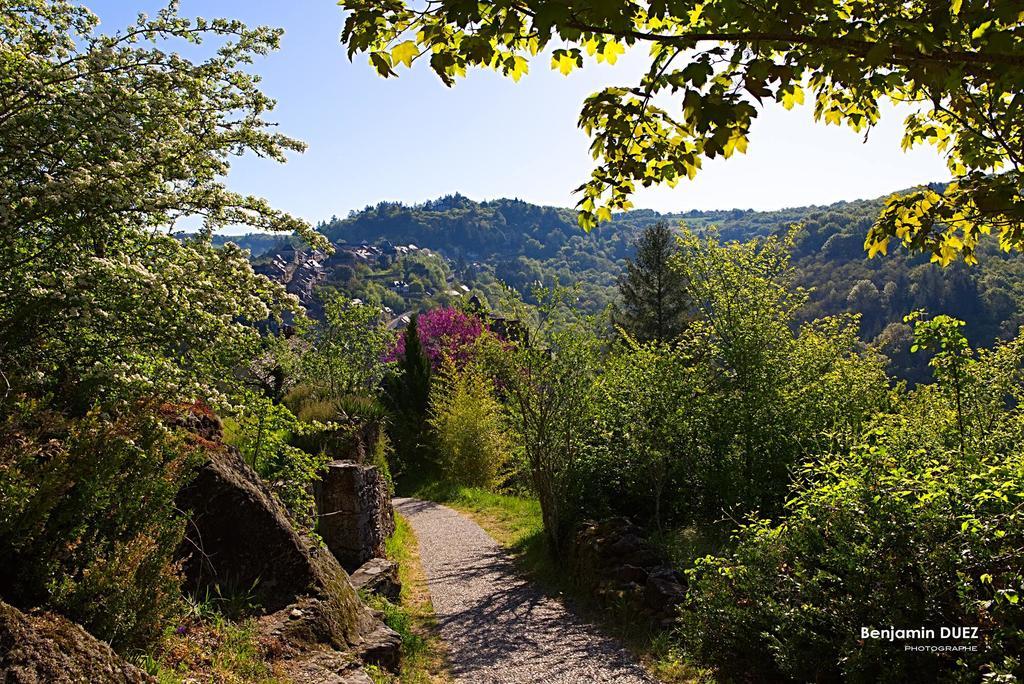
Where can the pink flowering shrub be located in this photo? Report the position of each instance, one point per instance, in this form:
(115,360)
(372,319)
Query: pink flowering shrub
(443,332)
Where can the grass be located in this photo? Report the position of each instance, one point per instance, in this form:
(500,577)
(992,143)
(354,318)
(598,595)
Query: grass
(423,655)
(210,648)
(515,522)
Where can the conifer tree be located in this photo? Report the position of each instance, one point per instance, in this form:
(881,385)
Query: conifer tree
(416,369)
(654,300)
(407,395)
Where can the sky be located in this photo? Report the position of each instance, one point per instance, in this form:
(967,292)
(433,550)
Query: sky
(412,139)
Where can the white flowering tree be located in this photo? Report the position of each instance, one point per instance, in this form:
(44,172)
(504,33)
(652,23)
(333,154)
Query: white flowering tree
(107,142)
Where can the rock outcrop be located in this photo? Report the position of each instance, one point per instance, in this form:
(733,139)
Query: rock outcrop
(239,538)
(44,648)
(378,576)
(324,667)
(613,557)
(355,514)
(307,626)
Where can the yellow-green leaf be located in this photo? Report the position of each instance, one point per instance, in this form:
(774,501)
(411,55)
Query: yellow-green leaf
(404,53)
(877,247)
(612,50)
(519,68)
(564,62)
(793,97)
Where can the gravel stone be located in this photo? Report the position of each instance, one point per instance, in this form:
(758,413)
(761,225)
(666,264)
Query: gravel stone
(498,627)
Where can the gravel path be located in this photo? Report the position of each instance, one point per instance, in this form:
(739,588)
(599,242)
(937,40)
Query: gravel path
(499,628)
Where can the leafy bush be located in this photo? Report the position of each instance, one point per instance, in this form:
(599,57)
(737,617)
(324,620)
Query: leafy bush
(876,538)
(289,454)
(470,430)
(88,524)
(291,473)
(640,455)
(766,397)
(918,526)
(345,349)
(546,383)
(714,422)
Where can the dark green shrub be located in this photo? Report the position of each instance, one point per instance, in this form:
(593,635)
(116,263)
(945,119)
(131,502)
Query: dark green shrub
(88,525)
(918,527)
(715,422)
(406,394)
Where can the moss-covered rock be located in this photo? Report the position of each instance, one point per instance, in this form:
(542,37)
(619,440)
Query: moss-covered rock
(38,648)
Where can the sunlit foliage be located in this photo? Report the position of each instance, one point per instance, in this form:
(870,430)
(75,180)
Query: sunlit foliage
(714,63)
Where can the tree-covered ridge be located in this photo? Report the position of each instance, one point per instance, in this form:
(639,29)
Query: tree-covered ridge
(460,226)
(522,245)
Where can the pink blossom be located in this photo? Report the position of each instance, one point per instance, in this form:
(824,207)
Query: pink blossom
(443,332)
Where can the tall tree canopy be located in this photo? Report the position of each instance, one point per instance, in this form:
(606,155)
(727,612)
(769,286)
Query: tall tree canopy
(104,140)
(959,63)
(653,292)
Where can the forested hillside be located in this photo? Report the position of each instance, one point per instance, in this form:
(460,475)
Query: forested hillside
(523,245)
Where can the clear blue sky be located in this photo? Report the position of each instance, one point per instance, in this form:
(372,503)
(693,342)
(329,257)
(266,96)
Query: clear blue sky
(413,139)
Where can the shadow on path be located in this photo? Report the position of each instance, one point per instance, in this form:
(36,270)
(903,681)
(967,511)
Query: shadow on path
(498,626)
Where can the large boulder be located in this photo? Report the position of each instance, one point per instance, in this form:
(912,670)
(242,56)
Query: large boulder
(239,538)
(306,626)
(355,513)
(44,648)
(381,646)
(324,667)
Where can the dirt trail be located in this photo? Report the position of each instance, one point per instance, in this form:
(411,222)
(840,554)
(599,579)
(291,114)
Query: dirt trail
(498,627)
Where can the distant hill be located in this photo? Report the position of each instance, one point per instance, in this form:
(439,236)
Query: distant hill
(477,245)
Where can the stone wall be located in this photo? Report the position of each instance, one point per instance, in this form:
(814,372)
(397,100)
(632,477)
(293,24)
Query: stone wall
(625,570)
(355,514)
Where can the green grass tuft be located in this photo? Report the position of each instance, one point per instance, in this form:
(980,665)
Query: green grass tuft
(210,648)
